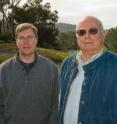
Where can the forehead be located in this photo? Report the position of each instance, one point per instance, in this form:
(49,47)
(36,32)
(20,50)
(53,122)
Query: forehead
(89,22)
(26,31)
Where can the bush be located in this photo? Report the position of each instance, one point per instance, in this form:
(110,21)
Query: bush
(56,56)
(6,36)
(3,58)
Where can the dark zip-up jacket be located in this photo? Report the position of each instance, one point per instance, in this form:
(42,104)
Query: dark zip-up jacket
(98,101)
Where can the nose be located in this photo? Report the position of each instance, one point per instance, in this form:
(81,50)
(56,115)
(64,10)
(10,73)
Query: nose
(87,34)
(25,41)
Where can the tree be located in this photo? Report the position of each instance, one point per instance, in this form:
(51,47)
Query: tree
(3,10)
(67,40)
(11,7)
(42,17)
(111,39)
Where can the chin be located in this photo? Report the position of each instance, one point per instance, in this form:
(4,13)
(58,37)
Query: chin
(87,49)
(27,53)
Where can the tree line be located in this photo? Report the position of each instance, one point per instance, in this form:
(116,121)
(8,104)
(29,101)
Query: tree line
(67,40)
(34,11)
(41,15)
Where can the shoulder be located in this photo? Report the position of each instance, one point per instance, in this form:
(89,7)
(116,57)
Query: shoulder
(48,66)
(68,62)
(70,59)
(109,61)
(6,63)
(111,57)
(6,66)
(46,61)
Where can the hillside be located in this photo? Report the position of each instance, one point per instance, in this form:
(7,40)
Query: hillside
(64,27)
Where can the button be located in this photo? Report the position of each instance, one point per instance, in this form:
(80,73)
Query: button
(82,102)
(79,122)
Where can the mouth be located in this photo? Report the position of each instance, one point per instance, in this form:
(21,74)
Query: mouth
(26,47)
(88,43)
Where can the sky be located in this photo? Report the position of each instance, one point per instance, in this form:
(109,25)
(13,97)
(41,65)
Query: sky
(71,11)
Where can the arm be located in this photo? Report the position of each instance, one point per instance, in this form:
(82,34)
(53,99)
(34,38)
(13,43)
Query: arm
(53,119)
(2,118)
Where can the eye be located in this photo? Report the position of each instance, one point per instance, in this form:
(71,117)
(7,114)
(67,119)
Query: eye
(81,32)
(20,38)
(30,37)
(93,30)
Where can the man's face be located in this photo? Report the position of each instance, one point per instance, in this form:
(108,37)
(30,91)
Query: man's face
(26,42)
(90,36)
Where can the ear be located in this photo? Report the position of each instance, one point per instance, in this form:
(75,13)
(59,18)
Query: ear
(36,40)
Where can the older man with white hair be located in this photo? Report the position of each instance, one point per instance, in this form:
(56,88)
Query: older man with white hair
(89,78)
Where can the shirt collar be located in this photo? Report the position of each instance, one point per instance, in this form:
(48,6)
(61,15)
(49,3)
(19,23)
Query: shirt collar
(94,57)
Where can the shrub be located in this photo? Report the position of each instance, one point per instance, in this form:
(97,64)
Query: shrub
(56,56)
(6,36)
(3,58)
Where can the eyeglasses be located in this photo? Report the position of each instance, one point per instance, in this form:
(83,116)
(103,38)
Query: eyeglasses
(92,31)
(28,38)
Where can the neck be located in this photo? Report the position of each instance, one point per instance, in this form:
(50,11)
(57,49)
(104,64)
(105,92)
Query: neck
(27,58)
(85,56)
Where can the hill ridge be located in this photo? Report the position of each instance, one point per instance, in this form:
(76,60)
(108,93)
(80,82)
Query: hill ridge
(65,27)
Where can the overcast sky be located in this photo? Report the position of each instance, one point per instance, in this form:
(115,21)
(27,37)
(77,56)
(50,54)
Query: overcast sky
(70,11)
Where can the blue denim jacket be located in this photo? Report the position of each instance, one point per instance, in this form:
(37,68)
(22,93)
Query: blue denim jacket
(99,89)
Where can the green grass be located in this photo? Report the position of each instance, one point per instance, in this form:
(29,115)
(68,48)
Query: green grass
(56,56)
(3,58)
